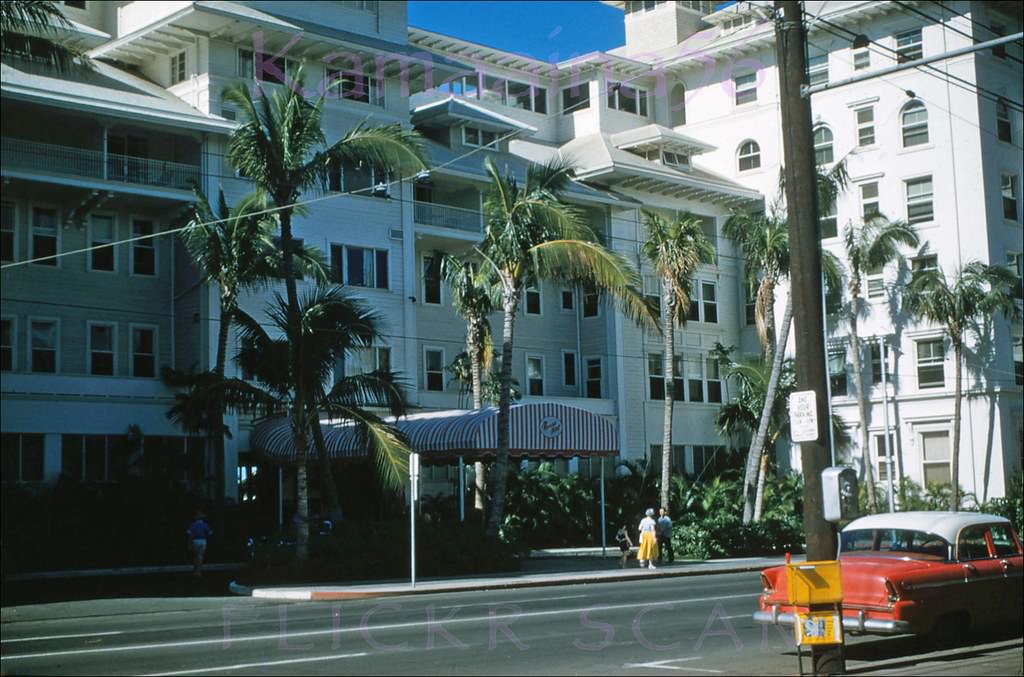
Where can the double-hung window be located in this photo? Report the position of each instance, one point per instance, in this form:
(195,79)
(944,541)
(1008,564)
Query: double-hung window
(7,239)
(479,138)
(861,59)
(909,46)
(431,280)
(745,87)
(143,248)
(178,68)
(876,282)
(359,266)
(365,360)
(709,302)
(22,457)
(627,98)
(936,457)
(656,377)
(922,264)
(713,372)
(101,349)
(931,356)
(433,369)
(817,69)
(568,369)
(869,202)
(837,371)
(354,86)
(828,222)
(535,375)
(594,378)
(1015,262)
(919,200)
(7,344)
(143,352)
(694,366)
(45,337)
(914,124)
(591,302)
(532,305)
(1008,189)
(823,152)
(875,351)
(101,235)
(1004,128)
(865,126)
(749,156)
(568,300)
(1018,360)
(44,235)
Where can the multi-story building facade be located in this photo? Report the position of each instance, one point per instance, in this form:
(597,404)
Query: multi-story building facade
(683,117)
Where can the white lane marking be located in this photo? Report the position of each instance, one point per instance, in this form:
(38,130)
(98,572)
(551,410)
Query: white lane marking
(76,636)
(729,618)
(664,665)
(512,601)
(264,664)
(277,636)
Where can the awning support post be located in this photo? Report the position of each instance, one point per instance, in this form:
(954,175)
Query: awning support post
(462,490)
(604,529)
(414,480)
(280,497)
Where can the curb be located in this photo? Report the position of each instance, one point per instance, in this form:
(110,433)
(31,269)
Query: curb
(312,594)
(126,571)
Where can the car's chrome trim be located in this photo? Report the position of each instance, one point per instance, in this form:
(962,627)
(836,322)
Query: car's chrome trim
(858,623)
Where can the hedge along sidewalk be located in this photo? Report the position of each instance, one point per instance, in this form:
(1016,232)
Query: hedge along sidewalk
(499,582)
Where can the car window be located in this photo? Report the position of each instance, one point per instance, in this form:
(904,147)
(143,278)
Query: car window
(1003,540)
(972,544)
(899,542)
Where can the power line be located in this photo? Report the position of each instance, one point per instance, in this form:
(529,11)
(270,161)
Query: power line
(946,26)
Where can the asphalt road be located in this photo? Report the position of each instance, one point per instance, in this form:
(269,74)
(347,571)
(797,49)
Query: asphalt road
(697,625)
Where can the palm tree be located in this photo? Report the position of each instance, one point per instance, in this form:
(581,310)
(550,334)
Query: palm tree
(965,304)
(331,325)
(281,147)
(32,27)
(531,235)
(474,299)
(674,249)
(872,246)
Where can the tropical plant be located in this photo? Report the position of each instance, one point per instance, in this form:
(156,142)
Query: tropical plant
(675,249)
(331,326)
(869,247)
(281,147)
(32,28)
(531,235)
(965,304)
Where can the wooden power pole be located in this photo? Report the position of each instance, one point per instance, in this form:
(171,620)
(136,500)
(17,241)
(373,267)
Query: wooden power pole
(805,277)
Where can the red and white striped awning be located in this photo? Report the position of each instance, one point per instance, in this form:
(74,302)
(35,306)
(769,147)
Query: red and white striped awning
(538,430)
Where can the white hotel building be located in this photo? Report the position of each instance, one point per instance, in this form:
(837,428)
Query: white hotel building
(684,116)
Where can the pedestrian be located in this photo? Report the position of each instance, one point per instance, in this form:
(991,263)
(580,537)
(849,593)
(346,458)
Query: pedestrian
(198,534)
(648,541)
(665,536)
(625,544)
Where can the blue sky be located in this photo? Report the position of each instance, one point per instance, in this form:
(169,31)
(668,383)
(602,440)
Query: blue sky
(550,31)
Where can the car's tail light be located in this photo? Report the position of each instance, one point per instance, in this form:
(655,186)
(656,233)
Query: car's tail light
(766,583)
(894,596)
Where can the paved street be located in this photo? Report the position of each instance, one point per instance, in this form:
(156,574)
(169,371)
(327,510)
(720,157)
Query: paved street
(693,625)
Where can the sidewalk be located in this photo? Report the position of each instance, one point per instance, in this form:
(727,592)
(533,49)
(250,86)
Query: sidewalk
(543,568)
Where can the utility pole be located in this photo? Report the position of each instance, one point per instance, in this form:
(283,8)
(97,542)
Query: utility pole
(805,276)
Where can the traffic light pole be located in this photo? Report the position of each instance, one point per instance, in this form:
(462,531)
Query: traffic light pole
(805,278)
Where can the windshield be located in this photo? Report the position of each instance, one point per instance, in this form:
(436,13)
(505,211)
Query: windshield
(896,542)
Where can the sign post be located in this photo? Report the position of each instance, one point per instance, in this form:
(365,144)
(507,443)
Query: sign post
(818,587)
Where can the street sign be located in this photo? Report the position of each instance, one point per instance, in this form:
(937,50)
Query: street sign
(803,416)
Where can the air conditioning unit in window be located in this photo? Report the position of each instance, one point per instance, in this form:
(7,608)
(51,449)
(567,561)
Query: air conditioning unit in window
(396,233)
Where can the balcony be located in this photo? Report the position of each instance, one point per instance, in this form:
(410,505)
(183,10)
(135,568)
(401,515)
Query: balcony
(445,216)
(95,164)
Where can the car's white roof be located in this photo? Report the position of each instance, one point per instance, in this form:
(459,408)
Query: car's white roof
(945,524)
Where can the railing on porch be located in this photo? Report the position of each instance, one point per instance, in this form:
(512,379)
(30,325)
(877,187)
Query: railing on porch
(48,157)
(430,214)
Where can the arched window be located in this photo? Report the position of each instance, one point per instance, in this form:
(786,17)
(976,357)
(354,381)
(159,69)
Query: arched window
(914,122)
(749,156)
(677,105)
(823,146)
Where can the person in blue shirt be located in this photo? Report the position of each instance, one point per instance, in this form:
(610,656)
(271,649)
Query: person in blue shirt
(198,533)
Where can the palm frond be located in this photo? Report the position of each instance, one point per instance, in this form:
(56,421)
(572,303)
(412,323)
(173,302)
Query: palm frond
(387,448)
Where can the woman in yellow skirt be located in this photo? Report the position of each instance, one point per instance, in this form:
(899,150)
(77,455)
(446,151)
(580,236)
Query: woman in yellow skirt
(648,542)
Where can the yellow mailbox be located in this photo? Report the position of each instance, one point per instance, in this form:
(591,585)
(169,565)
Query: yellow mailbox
(814,583)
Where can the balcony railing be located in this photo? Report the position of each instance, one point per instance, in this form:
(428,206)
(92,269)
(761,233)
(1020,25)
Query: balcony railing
(429,214)
(47,157)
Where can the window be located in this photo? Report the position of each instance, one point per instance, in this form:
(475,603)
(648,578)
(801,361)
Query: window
(591,307)
(817,69)
(93,458)
(101,349)
(861,59)
(178,72)
(101,233)
(931,355)
(535,375)
(354,86)
(144,250)
(359,266)
(677,460)
(876,282)
(833,298)
(875,352)
(143,352)
(882,458)
(45,339)
(924,263)
(709,299)
(1008,188)
(265,68)
(745,87)
(77,4)
(575,98)
(865,126)
(6,344)
(433,369)
(44,235)
(494,90)
(656,377)
(749,156)
(693,293)
(627,98)
(246,64)
(7,252)
(532,305)
(594,377)
(677,160)
(1018,360)
(479,138)
(869,208)
(936,457)
(828,223)
(908,46)
(652,290)
(677,105)
(999,31)
(431,280)
(358,361)
(694,367)
(568,369)
(1004,130)
(914,123)
(823,154)
(919,200)
(1002,539)
(1015,261)
(527,97)
(708,459)
(22,457)
(714,377)
(837,372)
(568,300)
(750,304)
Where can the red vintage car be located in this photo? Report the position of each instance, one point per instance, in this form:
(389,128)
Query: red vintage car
(918,572)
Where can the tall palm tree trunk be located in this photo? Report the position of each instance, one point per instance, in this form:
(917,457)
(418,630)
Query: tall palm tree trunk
(667,329)
(299,404)
(476,374)
(762,475)
(327,486)
(218,437)
(862,410)
(754,454)
(500,478)
(958,348)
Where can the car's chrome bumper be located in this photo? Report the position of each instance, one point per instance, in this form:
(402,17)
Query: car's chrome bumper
(858,623)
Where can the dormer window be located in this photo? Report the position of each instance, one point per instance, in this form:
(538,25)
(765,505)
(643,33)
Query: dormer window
(733,25)
(575,98)
(352,86)
(627,98)
(677,160)
(479,138)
